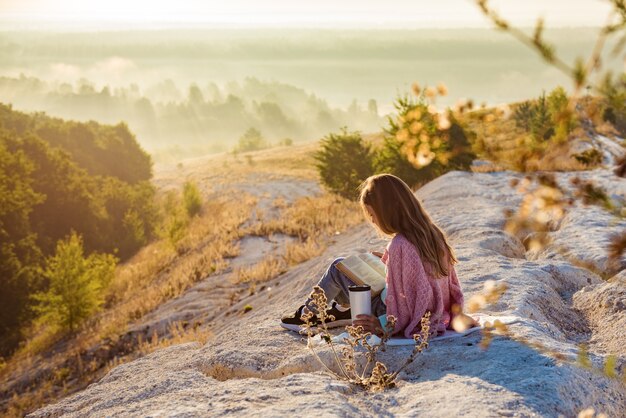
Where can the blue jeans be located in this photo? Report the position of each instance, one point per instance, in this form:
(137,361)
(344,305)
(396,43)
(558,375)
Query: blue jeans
(335,285)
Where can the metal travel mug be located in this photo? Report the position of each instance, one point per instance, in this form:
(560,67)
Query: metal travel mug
(360,300)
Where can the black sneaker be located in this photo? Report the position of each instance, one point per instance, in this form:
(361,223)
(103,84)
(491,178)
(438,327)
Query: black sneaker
(295,322)
(342,318)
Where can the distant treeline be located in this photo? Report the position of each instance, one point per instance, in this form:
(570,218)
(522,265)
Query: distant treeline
(202,117)
(336,64)
(59,177)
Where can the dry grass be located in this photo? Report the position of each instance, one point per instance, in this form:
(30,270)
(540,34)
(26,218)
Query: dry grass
(487,168)
(262,271)
(273,266)
(312,221)
(179,333)
(29,399)
(52,365)
(54,385)
(158,273)
(317,216)
(501,141)
(225,169)
(299,252)
(607,129)
(556,158)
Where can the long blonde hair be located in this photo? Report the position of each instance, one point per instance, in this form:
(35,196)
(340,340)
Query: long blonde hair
(398,211)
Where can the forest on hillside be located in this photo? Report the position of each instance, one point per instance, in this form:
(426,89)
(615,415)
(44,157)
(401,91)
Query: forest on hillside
(60,178)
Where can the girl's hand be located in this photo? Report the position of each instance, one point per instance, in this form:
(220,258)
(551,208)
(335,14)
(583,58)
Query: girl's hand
(370,323)
(378,254)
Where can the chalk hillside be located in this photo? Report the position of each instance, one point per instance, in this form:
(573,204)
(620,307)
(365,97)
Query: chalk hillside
(250,366)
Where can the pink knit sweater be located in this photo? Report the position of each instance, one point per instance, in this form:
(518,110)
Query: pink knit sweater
(412,290)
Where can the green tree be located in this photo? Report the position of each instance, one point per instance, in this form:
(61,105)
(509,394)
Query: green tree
(541,125)
(523,114)
(19,255)
(61,176)
(563,118)
(100,149)
(192,198)
(175,220)
(391,159)
(344,161)
(459,146)
(547,118)
(557,101)
(614,92)
(251,140)
(111,207)
(76,284)
(419,145)
(131,216)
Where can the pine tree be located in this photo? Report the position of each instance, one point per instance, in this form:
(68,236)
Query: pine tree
(76,284)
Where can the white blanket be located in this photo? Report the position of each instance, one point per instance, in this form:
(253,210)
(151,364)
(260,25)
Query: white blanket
(449,334)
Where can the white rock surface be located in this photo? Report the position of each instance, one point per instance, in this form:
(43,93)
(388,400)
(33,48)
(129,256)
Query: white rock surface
(252,367)
(202,302)
(577,231)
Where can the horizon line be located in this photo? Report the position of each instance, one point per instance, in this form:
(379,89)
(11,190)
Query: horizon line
(35,25)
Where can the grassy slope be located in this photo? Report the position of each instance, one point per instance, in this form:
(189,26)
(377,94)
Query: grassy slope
(52,365)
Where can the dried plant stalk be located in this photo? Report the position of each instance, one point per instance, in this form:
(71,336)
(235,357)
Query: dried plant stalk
(373,375)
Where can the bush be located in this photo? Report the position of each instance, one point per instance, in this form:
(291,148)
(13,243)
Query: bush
(420,145)
(563,119)
(590,158)
(344,161)
(251,140)
(541,126)
(391,159)
(192,199)
(174,219)
(523,114)
(131,217)
(608,115)
(176,229)
(614,91)
(76,284)
(546,118)
(286,142)
(459,147)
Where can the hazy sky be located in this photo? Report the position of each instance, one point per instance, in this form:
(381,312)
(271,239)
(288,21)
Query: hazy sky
(290,13)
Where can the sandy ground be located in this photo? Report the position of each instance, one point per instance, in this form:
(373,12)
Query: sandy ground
(252,367)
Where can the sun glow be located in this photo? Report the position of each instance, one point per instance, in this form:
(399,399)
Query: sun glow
(285,13)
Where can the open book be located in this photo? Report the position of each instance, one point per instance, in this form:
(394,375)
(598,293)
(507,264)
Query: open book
(364,268)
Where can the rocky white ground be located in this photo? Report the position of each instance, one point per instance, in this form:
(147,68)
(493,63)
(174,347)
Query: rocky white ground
(204,301)
(252,367)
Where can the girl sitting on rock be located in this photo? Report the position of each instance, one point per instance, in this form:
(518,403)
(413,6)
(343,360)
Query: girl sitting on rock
(420,274)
